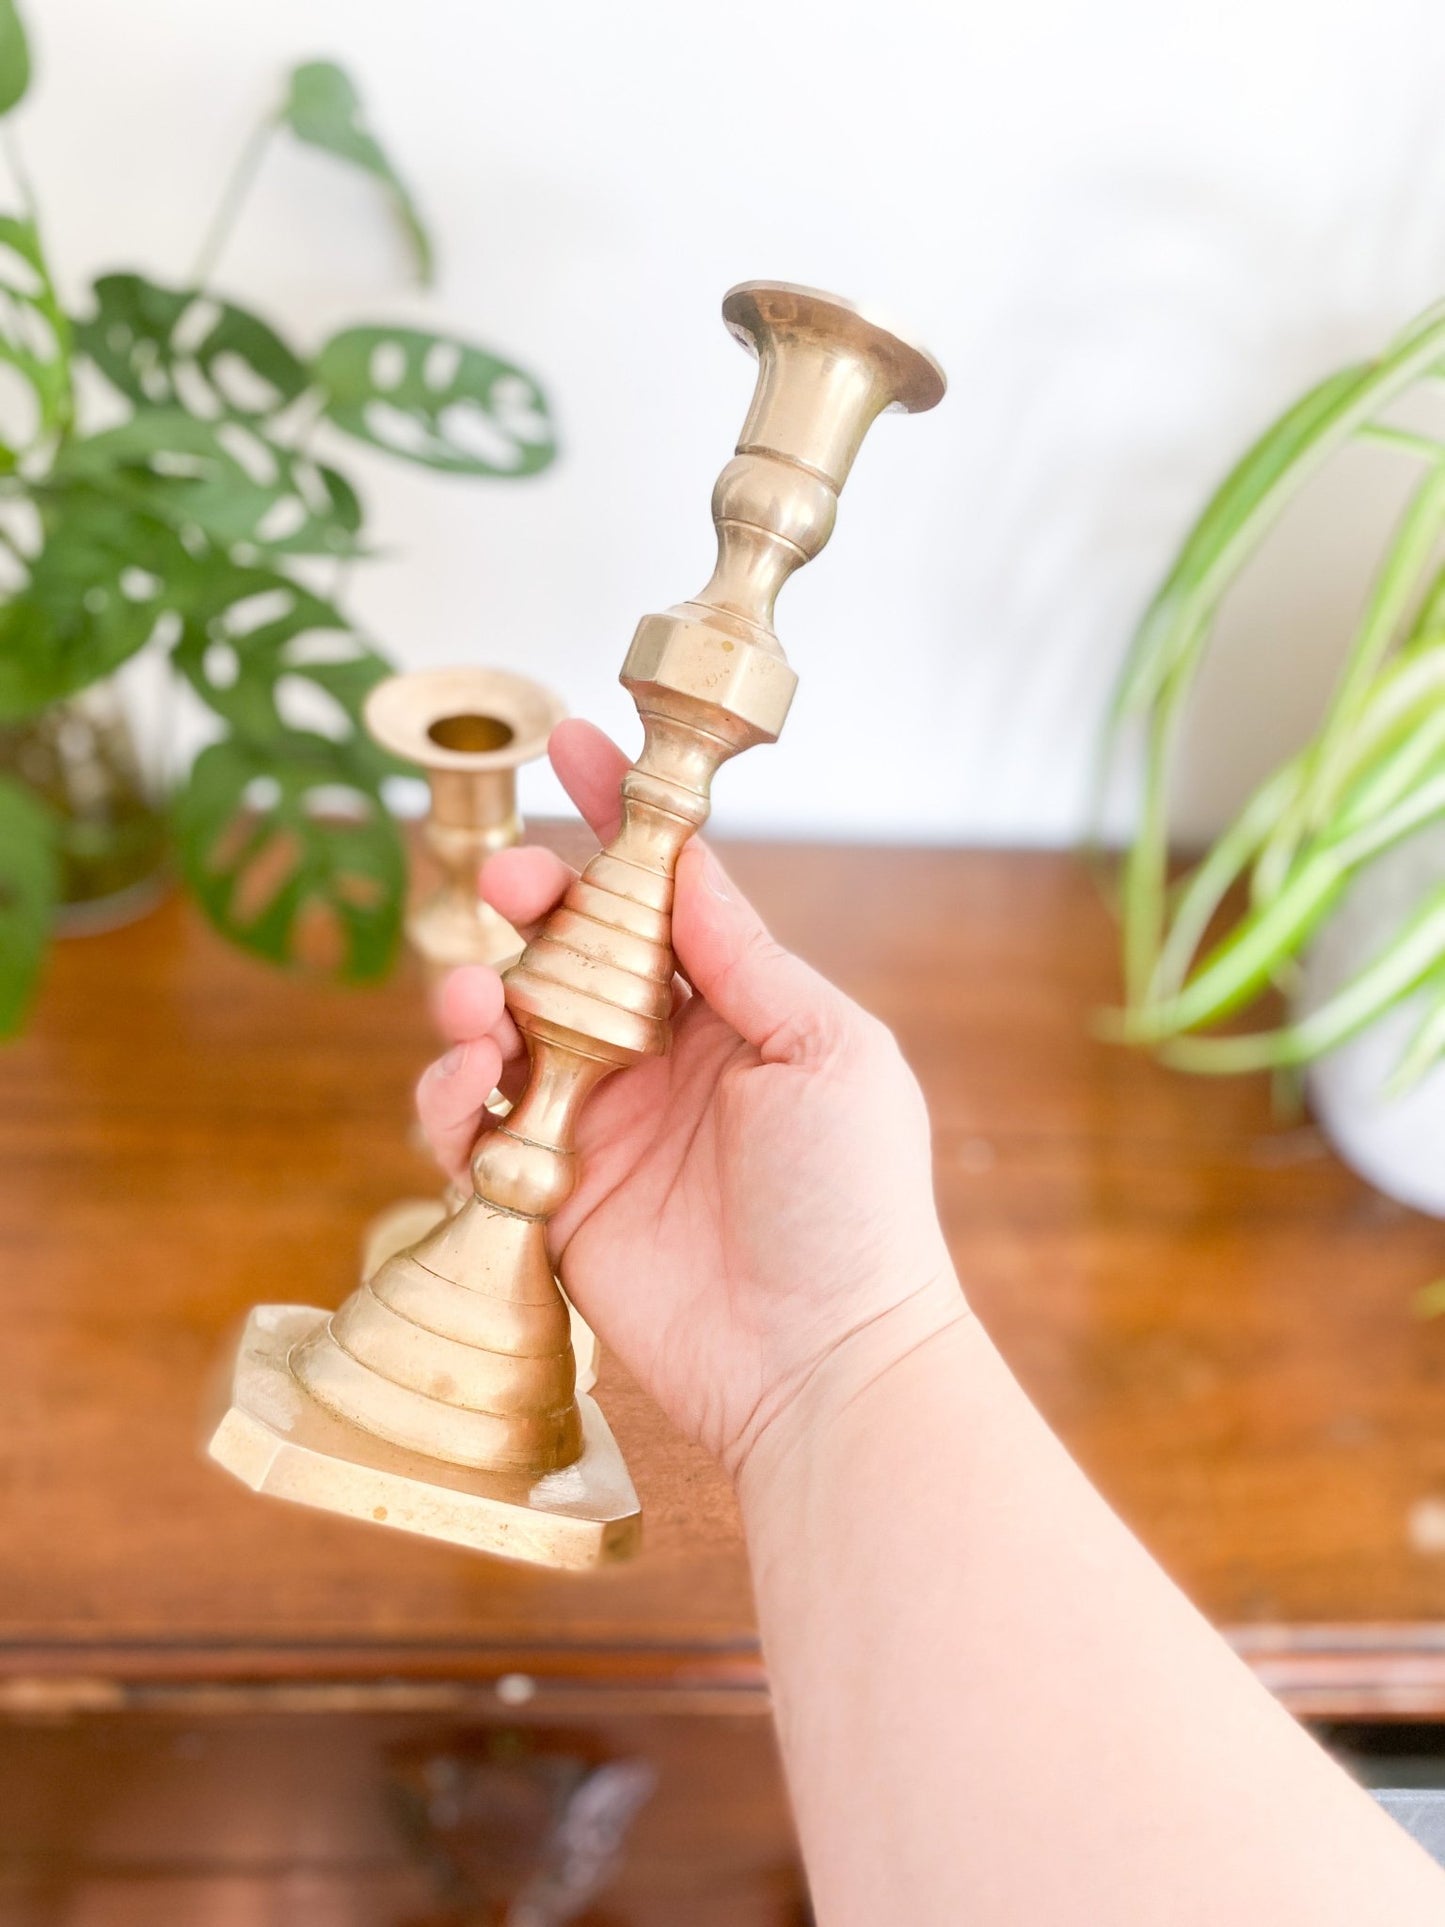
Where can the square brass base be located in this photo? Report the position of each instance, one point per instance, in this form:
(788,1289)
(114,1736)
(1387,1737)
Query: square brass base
(278,1440)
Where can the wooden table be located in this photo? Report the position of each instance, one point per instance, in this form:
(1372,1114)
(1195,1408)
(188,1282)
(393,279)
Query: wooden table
(1214,1314)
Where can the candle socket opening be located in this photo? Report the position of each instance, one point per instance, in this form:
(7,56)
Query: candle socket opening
(470,733)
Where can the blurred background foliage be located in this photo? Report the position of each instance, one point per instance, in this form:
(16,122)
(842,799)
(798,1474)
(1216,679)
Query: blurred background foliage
(169,483)
(1203,946)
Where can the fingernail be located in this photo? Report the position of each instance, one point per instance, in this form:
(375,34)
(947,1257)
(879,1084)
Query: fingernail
(713,877)
(449,1065)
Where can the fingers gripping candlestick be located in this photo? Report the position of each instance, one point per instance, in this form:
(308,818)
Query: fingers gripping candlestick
(441,1397)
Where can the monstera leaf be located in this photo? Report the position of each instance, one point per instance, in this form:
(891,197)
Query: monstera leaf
(433,400)
(14,58)
(34,334)
(176,348)
(323,108)
(223,479)
(29,878)
(95,594)
(292,857)
(250,632)
(176,527)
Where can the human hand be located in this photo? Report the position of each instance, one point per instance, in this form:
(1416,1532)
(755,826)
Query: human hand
(749,1204)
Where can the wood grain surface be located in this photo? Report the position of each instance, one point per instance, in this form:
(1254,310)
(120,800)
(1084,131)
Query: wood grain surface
(1213,1313)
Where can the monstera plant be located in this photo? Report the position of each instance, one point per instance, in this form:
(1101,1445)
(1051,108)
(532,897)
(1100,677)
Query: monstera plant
(168,483)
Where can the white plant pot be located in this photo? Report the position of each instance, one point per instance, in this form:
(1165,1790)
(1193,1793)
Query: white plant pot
(1395,1143)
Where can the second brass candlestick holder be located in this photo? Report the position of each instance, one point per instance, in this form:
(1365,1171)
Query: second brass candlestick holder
(441,1398)
(471,730)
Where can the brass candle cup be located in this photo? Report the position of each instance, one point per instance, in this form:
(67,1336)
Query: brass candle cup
(441,1398)
(469,731)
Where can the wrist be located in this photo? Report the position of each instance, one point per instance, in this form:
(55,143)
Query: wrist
(861,1370)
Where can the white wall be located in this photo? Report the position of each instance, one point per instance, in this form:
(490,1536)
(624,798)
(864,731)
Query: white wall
(1130,230)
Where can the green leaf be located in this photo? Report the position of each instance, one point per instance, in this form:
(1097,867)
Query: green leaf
(323,108)
(1158,672)
(35,335)
(1412,955)
(1207,885)
(1248,502)
(1401,702)
(248,632)
(1395,741)
(1424,448)
(1399,817)
(1427,1047)
(1169,644)
(1275,930)
(1391,777)
(96,592)
(1390,597)
(14,57)
(178,348)
(292,856)
(29,881)
(1146,865)
(1243,962)
(437,401)
(224,479)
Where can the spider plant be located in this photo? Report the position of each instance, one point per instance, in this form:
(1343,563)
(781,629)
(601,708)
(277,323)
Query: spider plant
(1203,947)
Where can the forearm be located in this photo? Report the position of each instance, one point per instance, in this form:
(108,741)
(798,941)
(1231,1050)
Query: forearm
(994,1707)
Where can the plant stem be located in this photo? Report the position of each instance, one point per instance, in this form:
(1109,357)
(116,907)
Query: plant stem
(233,198)
(1143,897)
(1394,589)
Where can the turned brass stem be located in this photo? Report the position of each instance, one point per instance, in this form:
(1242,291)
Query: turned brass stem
(709,678)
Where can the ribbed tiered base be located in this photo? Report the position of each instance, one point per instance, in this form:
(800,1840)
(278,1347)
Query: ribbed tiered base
(280,1440)
(407,1222)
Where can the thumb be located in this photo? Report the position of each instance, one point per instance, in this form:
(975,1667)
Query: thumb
(771,998)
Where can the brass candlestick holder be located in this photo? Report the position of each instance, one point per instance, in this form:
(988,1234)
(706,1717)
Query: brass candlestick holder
(441,1398)
(470,730)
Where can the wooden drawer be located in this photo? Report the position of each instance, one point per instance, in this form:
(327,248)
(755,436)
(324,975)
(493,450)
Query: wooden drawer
(376,1819)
